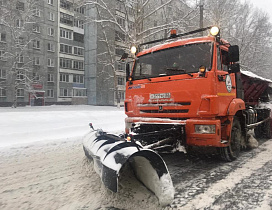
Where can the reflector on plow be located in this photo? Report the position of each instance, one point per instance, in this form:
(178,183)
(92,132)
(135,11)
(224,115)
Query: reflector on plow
(110,153)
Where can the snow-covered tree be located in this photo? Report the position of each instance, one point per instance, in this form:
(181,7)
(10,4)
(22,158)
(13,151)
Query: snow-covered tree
(123,23)
(246,26)
(18,24)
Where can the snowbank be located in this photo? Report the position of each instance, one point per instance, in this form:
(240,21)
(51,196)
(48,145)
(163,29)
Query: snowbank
(31,124)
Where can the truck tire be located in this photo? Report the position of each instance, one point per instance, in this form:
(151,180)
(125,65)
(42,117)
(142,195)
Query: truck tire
(232,152)
(263,130)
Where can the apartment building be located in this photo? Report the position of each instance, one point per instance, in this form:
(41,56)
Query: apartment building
(71,53)
(41,53)
(105,42)
(113,29)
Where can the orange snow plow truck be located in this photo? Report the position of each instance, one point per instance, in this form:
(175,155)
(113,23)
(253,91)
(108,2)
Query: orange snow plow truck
(182,93)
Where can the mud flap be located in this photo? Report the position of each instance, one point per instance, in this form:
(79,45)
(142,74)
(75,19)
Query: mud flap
(110,153)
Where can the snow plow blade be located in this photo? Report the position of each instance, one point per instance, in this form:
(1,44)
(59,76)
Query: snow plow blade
(110,153)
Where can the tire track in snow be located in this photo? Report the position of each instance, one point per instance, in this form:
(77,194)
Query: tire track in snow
(58,176)
(249,193)
(209,196)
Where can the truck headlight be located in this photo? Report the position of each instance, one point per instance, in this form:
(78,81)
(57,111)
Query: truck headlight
(208,129)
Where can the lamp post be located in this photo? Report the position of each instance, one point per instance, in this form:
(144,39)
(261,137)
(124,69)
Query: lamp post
(201,8)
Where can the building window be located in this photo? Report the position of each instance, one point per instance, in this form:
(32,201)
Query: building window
(120,6)
(120,95)
(65,63)
(36,61)
(51,47)
(121,66)
(79,92)
(18,23)
(64,77)
(3,74)
(20,41)
(50,78)
(20,58)
(80,10)
(36,28)
(50,62)
(119,36)
(79,37)
(65,4)
(67,34)
(36,77)
(121,21)
(78,51)
(121,81)
(50,31)
(3,92)
(50,2)
(78,79)
(2,37)
(20,92)
(51,16)
(79,23)
(130,25)
(36,44)
(64,92)
(78,65)
(2,55)
(50,93)
(20,6)
(66,19)
(37,12)
(65,48)
(20,75)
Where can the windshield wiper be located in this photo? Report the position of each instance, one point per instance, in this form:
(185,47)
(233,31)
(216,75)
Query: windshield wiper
(182,70)
(145,77)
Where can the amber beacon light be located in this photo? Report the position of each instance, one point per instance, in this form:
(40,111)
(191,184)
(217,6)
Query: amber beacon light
(214,31)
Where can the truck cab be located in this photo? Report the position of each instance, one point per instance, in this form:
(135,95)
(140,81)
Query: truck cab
(189,90)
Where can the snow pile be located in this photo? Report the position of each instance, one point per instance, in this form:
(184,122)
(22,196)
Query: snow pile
(252,75)
(161,186)
(252,142)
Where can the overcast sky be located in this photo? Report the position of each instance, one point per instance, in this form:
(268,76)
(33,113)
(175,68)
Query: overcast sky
(265,5)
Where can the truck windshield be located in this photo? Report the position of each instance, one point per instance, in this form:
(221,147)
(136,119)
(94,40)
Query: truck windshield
(173,61)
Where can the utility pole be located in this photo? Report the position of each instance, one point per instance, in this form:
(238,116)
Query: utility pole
(201,8)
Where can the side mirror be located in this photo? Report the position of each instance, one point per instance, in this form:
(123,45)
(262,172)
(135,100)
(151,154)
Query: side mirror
(233,53)
(127,71)
(234,68)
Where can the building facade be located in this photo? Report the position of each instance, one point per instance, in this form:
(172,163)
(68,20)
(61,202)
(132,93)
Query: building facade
(41,53)
(113,28)
(68,52)
(105,44)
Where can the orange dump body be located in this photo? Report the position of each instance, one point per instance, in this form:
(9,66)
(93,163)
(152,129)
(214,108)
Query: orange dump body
(186,99)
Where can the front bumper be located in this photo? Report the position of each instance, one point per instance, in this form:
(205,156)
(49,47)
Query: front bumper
(191,138)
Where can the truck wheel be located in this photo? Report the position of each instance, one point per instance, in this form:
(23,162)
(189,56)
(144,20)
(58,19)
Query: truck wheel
(232,152)
(263,130)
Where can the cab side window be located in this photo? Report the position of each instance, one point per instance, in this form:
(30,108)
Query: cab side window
(219,64)
(225,60)
(222,59)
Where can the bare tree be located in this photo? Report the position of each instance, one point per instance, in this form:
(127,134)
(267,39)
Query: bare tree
(246,26)
(18,25)
(122,24)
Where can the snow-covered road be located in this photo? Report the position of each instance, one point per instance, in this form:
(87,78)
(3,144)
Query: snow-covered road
(42,166)
(31,124)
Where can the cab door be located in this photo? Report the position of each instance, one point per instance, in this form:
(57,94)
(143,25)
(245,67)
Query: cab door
(226,87)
